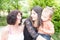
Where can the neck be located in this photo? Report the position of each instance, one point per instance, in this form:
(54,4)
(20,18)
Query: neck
(13,26)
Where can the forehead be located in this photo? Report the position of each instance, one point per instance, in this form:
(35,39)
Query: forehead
(19,13)
(47,11)
(33,12)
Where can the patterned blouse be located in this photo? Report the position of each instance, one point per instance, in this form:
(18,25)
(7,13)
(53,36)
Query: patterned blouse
(30,28)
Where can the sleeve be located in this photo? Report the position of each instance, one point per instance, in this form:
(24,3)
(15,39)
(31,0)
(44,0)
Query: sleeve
(30,29)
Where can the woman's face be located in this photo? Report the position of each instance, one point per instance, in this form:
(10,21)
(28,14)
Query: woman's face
(19,18)
(34,15)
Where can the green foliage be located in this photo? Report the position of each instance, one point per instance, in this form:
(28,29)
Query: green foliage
(12,5)
(25,15)
(56,19)
(9,5)
(56,36)
(3,21)
(42,3)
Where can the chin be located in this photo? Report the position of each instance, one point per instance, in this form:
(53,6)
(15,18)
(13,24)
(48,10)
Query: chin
(33,19)
(19,24)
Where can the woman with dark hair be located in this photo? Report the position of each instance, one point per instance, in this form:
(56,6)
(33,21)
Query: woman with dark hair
(32,23)
(14,29)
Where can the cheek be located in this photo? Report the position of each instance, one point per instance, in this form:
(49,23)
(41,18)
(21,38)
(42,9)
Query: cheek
(44,18)
(36,16)
(19,18)
(32,16)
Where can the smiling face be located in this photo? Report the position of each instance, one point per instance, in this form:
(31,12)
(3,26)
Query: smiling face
(34,15)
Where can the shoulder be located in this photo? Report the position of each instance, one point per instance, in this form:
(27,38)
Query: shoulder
(4,33)
(27,21)
(50,24)
(5,30)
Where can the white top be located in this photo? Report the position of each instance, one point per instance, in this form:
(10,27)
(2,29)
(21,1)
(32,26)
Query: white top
(13,36)
(16,36)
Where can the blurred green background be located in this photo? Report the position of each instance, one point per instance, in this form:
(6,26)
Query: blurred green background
(25,5)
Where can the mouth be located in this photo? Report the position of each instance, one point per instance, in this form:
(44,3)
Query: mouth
(33,21)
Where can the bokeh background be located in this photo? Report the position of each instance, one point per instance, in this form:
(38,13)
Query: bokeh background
(25,5)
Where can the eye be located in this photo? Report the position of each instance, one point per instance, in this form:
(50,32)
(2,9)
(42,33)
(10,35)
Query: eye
(33,13)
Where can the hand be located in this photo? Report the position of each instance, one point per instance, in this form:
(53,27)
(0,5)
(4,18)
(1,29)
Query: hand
(40,38)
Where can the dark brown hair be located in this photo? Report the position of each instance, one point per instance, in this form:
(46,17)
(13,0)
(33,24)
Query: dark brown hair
(12,17)
(38,10)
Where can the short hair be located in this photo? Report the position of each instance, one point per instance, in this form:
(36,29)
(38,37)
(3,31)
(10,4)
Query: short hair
(12,17)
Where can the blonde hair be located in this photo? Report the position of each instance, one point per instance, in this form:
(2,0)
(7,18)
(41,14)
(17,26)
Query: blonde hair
(48,10)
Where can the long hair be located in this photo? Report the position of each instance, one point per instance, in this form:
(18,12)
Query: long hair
(38,10)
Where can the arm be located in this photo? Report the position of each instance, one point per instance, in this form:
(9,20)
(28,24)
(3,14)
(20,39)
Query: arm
(4,35)
(50,30)
(30,29)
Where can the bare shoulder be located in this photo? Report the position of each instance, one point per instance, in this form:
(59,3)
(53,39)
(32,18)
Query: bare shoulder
(4,31)
(4,34)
